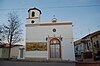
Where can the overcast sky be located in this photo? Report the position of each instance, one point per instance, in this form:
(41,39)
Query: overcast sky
(85,14)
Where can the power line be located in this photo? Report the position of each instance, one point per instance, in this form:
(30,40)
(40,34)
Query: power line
(14,9)
(73,6)
(69,6)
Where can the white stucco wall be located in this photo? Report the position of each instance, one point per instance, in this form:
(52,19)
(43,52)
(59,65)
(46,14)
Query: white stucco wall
(14,52)
(68,50)
(39,34)
(37,13)
(36,21)
(36,54)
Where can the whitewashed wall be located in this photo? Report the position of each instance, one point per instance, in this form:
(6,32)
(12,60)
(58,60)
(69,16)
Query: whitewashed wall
(14,52)
(36,54)
(39,34)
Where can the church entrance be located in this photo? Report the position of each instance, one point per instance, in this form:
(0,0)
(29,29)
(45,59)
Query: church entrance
(55,49)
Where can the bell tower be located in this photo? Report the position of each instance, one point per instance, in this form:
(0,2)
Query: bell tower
(34,16)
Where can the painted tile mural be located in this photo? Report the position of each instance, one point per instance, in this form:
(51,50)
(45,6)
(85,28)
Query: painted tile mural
(36,46)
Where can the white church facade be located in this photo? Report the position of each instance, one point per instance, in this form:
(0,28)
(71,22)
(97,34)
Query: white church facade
(49,40)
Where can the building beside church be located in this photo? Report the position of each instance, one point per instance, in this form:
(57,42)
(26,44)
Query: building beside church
(88,47)
(17,51)
(49,40)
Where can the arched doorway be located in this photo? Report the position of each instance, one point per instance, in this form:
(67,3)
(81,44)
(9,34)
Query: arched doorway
(55,48)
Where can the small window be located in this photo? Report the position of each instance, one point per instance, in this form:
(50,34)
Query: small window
(32,21)
(87,46)
(54,30)
(97,42)
(94,44)
(33,14)
(76,48)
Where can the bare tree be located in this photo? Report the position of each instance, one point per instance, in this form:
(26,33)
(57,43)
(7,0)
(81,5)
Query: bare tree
(1,34)
(13,30)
